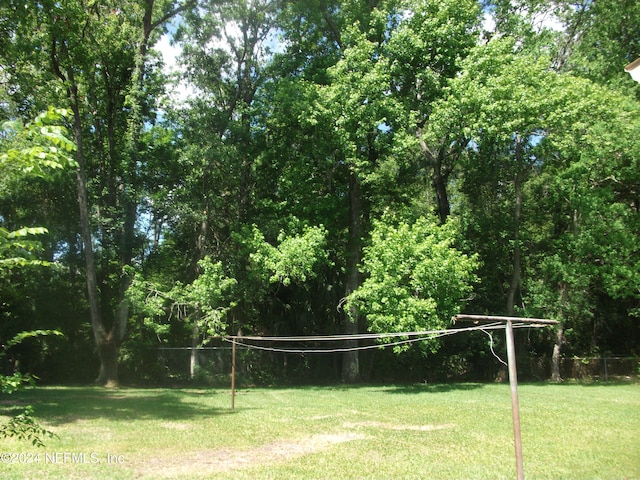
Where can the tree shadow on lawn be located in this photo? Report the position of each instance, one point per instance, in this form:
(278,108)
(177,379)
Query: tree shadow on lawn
(585,383)
(416,388)
(386,387)
(61,405)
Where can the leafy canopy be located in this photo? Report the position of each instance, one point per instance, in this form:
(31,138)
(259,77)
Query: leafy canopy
(204,302)
(35,149)
(295,259)
(416,279)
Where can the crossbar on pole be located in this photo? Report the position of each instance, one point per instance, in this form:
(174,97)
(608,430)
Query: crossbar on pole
(497,318)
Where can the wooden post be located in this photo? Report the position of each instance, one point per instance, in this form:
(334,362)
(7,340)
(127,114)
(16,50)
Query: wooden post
(515,407)
(233,374)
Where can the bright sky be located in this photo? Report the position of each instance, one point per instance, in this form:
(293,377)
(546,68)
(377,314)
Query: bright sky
(541,21)
(177,91)
(180,91)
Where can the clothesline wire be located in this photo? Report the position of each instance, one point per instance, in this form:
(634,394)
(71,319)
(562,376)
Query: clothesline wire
(414,337)
(361,336)
(327,350)
(492,350)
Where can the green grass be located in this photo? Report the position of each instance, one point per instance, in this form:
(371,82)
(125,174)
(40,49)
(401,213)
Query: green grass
(461,431)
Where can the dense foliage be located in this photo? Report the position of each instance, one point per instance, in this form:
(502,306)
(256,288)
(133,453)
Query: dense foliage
(339,166)
(27,151)
(415,279)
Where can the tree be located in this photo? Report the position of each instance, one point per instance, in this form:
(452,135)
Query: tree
(295,258)
(215,199)
(378,69)
(358,113)
(202,305)
(425,54)
(95,60)
(507,98)
(532,124)
(416,279)
(590,196)
(600,39)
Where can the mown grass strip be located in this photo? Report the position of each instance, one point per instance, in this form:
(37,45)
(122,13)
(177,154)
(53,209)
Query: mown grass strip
(415,431)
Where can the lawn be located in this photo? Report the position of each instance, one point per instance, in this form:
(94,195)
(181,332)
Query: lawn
(458,431)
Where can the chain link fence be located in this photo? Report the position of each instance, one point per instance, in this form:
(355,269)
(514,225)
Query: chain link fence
(212,366)
(602,369)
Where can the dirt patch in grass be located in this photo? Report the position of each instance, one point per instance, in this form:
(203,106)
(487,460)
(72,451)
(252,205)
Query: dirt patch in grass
(392,426)
(175,426)
(223,460)
(110,396)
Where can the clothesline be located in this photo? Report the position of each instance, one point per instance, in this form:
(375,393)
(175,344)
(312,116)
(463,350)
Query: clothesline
(248,341)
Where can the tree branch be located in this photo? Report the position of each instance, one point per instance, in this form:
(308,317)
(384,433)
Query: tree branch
(333,28)
(54,60)
(173,13)
(423,145)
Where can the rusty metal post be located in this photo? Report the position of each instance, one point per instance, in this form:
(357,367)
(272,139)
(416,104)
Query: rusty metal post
(233,374)
(515,407)
(513,373)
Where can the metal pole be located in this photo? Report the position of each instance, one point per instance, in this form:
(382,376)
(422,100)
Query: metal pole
(513,375)
(515,408)
(233,374)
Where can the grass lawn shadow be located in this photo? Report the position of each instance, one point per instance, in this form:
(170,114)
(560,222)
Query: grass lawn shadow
(61,405)
(433,388)
(587,383)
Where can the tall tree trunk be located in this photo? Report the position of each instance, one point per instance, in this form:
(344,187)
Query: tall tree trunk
(350,360)
(439,174)
(563,291)
(195,357)
(516,275)
(107,348)
(439,181)
(557,352)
